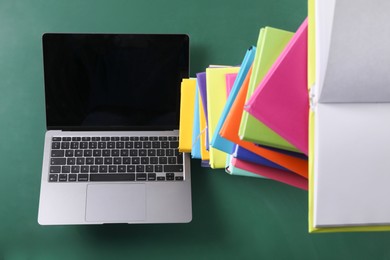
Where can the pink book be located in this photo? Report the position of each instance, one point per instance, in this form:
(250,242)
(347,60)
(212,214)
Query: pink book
(281,100)
(230,78)
(286,177)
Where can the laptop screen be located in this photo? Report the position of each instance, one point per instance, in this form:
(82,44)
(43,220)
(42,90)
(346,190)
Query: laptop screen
(114,81)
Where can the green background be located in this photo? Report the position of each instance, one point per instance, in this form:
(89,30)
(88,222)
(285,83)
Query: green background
(233,217)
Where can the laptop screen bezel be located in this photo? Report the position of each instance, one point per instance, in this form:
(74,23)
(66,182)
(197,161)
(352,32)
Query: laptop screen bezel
(184,72)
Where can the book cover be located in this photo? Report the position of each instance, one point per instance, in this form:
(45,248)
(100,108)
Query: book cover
(216,99)
(271,43)
(217,141)
(281,100)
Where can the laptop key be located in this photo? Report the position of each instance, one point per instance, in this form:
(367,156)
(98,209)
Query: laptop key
(171,160)
(78,153)
(117,160)
(170,176)
(58,161)
(112,177)
(55,169)
(72,177)
(99,160)
(158,168)
(149,168)
(103,168)
(82,177)
(179,178)
(56,139)
(55,145)
(94,168)
(144,160)
(80,161)
(142,152)
(97,153)
(75,169)
(120,145)
(169,152)
(161,178)
(53,177)
(63,177)
(69,153)
(65,169)
(151,176)
(71,161)
(89,160)
(57,153)
(107,160)
(162,160)
(84,169)
(174,144)
(180,158)
(140,168)
(126,160)
(141,177)
(173,168)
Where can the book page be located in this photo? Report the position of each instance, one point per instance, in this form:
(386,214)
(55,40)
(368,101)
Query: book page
(357,69)
(352,164)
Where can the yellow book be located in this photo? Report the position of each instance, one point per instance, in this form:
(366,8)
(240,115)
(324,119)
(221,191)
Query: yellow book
(187,104)
(216,99)
(205,156)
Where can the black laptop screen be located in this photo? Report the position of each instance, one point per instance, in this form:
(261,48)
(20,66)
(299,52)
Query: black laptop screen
(114,81)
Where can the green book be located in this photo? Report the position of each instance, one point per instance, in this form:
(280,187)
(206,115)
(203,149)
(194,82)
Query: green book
(269,47)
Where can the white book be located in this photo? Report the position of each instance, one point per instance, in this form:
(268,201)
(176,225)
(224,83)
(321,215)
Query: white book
(351,104)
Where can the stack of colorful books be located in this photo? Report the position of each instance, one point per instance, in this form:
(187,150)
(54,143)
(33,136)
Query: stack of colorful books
(310,109)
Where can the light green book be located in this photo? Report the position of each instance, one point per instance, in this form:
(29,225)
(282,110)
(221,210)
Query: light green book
(269,47)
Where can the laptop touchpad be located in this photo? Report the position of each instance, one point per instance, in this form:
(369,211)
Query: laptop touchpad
(116,203)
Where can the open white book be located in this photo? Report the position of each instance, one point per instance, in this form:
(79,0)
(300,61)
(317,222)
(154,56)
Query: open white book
(351,105)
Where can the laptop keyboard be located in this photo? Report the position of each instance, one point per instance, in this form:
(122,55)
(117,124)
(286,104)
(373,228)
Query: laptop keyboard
(97,159)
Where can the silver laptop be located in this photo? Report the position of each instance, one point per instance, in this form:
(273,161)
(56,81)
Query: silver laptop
(112,114)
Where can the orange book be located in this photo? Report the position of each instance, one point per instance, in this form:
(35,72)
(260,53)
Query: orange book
(231,127)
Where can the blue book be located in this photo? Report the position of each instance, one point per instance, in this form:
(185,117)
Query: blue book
(195,151)
(217,141)
(245,155)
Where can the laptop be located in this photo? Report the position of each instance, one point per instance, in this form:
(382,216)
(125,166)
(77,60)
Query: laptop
(112,117)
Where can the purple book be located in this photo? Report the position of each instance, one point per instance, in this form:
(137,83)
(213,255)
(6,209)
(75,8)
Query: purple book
(201,80)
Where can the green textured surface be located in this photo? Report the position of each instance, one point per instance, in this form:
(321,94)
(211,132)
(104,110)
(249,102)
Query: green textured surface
(233,217)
